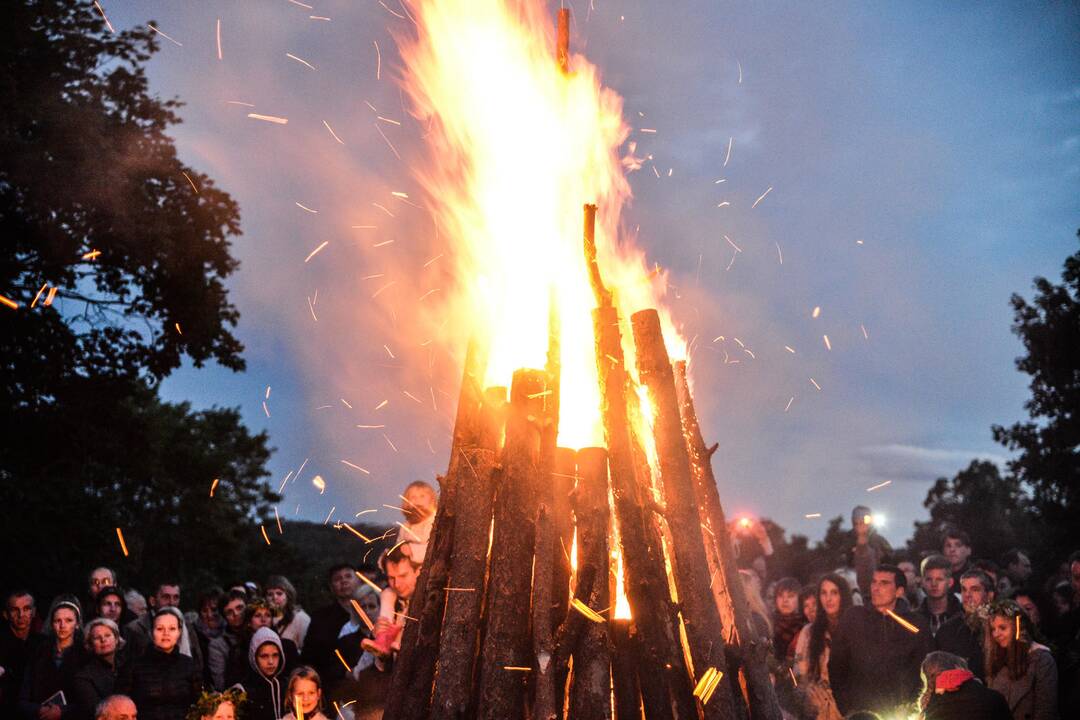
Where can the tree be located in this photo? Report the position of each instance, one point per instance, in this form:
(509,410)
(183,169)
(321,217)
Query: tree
(1049,442)
(114,256)
(993,510)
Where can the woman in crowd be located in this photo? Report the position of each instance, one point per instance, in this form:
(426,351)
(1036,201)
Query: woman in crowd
(209,624)
(164,682)
(290,620)
(265,692)
(809,603)
(1018,667)
(303,699)
(96,680)
(950,691)
(51,669)
(219,706)
(812,646)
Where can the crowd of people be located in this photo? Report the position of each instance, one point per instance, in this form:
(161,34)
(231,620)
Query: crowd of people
(112,654)
(943,637)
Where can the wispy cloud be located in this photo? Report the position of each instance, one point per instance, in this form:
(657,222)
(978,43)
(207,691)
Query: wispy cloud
(912,462)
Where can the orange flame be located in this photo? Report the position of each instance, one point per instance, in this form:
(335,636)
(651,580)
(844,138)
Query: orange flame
(518,147)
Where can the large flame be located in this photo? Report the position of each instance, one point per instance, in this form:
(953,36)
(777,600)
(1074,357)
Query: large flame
(518,148)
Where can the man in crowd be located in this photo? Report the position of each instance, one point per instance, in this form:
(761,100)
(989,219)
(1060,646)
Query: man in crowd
(940,604)
(870,548)
(877,649)
(956,546)
(1017,566)
(962,634)
(116,707)
(17,641)
(219,649)
(913,593)
(137,632)
(327,623)
(99,579)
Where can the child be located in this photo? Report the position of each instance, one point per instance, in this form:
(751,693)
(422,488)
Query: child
(420,504)
(787,618)
(303,699)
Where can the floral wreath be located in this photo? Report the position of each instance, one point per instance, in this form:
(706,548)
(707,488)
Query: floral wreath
(209,702)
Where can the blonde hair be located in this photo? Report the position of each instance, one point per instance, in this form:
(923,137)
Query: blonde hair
(304,672)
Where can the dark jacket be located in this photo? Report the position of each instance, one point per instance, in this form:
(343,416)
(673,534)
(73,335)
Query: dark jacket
(953,608)
(137,634)
(958,638)
(93,682)
(265,695)
(874,661)
(218,652)
(322,637)
(46,675)
(1034,696)
(238,665)
(163,685)
(970,701)
(14,656)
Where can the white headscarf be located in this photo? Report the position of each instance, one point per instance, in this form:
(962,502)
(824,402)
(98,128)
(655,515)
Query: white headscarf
(185,641)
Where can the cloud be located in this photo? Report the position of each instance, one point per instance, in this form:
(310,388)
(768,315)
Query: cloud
(912,462)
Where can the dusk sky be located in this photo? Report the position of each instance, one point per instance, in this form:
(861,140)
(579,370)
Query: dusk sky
(924,160)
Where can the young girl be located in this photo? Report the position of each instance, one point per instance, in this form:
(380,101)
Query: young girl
(1018,667)
(304,696)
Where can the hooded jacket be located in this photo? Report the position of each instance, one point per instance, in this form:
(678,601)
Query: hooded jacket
(265,695)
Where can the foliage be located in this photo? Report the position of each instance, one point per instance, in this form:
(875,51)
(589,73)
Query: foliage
(1049,441)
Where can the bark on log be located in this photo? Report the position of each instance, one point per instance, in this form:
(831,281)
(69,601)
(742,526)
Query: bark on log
(624,676)
(506,641)
(590,688)
(701,617)
(670,697)
(459,641)
(563,40)
(419,643)
(751,649)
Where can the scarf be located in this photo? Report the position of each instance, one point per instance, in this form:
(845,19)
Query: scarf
(951,680)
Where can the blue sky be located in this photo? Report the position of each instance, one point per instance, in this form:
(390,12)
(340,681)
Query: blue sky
(944,136)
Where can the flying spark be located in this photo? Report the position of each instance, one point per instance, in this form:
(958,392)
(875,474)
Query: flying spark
(314,252)
(302,61)
(104,17)
(219,38)
(123,545)
(762,197)
(879,486)
(269,118)
(159,32)
(334,134)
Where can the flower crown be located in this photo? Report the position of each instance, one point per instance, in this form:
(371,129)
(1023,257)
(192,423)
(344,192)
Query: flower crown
(208,703)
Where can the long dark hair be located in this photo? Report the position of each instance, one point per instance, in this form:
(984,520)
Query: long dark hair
(822,625)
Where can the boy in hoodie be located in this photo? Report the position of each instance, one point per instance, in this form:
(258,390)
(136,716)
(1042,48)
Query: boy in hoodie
(265,692)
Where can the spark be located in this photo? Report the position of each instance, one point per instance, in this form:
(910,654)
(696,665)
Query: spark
(367,580)
(192,182)
(779,253)
(372,277)
(730,142)
(265,536)
(269,118)
(363,616)
(381,405)
(104,17)
(303,5)
(345,403)
(828,345)
(159,32)
(517,668)
(315,252)
(370,427)
(816,312)
(811,516)
(762,197)
(392,282)
(219,38)
(429,446)
(178,330)
(724,204)
(384,242)
(213,487)
(378,61)
(318,17)
(587,611)
(428,294)
(39,292)
(732,244)
(305,208)
(392,148)
(267,392)
(9,302)
(383,208)
(319,483)
(740,71)
(1017,627)
(789,349)
(717,182)
(239,102)
(387,120)
(792,672)
(903,623)
(92,255)
(879,486)
(388,352)
(433,259)
(355,532)
(311,309)
(412,397)
(50,296)
(302,61)
(814,383)
(390,443)
(866,335)
(647,130)
(655,171)
(332,132)
(356,467)
(265,409)
(398,194)
(339,657)
(123,545)
(332,509)
(364,227)
(788,406)
(391,11)
(277,519)
(287,476)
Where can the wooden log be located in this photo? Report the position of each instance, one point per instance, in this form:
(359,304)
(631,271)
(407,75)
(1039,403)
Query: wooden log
(751,649)
(459,641)
(624,676)
(590,689)
(668,694)
(415,662)
(701,617)
(563,481)
(506,646)
(563,40)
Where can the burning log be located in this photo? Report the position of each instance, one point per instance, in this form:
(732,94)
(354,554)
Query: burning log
(751,649)
(410,687)
(505,658)
(459,641)
(665,683)
(624,679)
(701,618)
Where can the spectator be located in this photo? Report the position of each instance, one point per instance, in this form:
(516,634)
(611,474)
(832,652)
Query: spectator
(419,508)
(96,679)
(1017,566)
(759,615)
(963,634)
(876,650)
(304,695)
(1018,667)
(808,603)
(956,547)
(116,707)
(53,665)
(257,615)
(1031,601)
(951,691)
(787,618)
(137,633)
(753,547)
(209,624)
(221,706)
(266,660)
(290,620)
(870,548)
(813,644)
(401,573)
(163,681)
(136,603)
(18,643)
(112,606)
(99,579)
(940,604)
(913,593)
(220,648)
(327,622)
